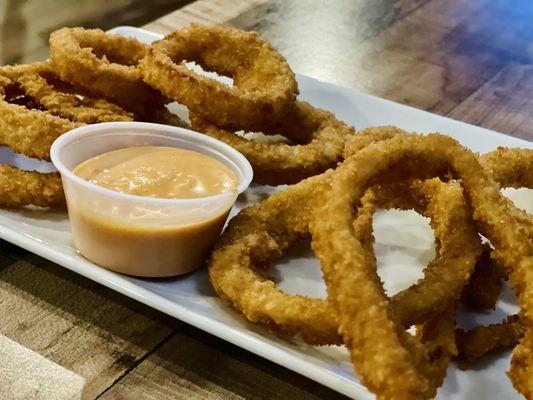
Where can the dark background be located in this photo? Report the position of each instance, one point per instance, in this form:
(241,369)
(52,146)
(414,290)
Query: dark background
(25,25)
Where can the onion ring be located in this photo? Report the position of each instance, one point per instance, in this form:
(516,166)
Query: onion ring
(34,113)
(481,340)
(260,234)
(28,131)
(105,65)
(432,352)
(257,236)
(264,85)
(320,139)
(352,287)
(21,188)
(509,167)
(59,98)
(485,284)
(36,108)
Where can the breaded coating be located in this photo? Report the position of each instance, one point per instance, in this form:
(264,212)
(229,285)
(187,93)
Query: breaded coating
(21,188)
(319,142)
(105,65)
(29,131)
(36,108)
(71,106)
(365,323)
(510,167)
(256,237)
(263,88)
(485,284)
(260,234)
(481,340)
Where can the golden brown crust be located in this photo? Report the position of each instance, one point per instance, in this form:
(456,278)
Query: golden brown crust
(485,284)
(257,236)
(319,142)
(364,321)
(34,112)
(477,342)
(21,188)
(263,83)
(261,233)
(43,86)
(510,167)
(29,131)
(105,65)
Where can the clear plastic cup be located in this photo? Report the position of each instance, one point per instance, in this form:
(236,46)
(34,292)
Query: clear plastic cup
(136,235)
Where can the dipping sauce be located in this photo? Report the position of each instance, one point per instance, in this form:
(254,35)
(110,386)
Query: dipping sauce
(140,241)
(157,171)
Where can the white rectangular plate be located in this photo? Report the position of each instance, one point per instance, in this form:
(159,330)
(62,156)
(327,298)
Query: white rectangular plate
(400,257)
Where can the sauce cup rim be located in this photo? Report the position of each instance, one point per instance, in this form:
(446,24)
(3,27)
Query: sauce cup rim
(106,128)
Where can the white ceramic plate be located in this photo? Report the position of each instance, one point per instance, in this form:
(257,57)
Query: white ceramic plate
(400,257)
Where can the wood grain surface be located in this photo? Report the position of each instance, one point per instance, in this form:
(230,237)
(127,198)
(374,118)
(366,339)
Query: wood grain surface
(469,59)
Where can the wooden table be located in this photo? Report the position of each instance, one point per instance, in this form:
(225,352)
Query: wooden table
(62,335)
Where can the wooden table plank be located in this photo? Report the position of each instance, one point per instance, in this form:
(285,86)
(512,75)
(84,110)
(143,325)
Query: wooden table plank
(503,104)
(25,25)
(76,323)
(211,12)
(195,365)
(28,375)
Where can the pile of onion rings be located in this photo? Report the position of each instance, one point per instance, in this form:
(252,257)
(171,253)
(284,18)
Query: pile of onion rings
(386,167)
(341,252)
(142,79)
(262,99)
(339,179)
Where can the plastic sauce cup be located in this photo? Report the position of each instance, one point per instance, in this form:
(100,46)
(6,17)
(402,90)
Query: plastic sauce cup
(136,235)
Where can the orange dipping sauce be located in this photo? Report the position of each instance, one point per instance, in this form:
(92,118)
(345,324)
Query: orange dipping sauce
(150,249)
(160,172)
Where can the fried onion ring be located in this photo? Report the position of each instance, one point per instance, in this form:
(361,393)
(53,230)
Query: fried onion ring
(59,98)
(319,138)
(434,345)
(26,130)
(256,237)
(105,65)
(21,188)
(353,289)
(481,340)
(263,83)
(510,168)
(485,284)
(259,235)
(34,113)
